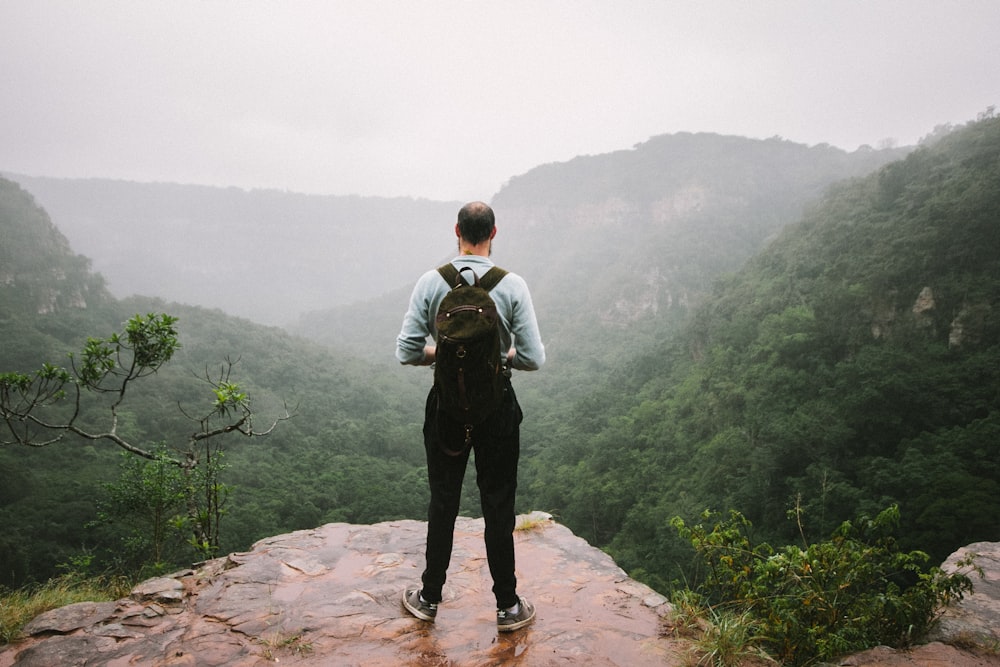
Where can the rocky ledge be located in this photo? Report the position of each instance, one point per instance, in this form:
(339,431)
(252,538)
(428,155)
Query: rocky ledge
(331,596)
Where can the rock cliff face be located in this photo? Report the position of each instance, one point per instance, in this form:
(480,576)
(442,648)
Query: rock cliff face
(331,596)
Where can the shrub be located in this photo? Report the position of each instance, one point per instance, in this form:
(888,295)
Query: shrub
(852,592)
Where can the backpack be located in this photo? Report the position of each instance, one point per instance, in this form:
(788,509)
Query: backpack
(469,373)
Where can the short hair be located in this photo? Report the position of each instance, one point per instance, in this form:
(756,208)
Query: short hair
(476,222)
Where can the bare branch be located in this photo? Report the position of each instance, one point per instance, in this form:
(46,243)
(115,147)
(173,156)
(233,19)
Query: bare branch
(227,428)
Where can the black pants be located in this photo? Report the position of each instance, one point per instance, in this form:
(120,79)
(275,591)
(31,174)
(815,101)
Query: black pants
(497,445)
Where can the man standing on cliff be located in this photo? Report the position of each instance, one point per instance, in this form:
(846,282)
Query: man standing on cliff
(497,439)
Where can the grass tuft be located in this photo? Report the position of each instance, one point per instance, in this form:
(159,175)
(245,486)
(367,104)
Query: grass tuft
(18,607)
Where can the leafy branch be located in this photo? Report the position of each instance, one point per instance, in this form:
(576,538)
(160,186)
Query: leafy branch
(39,410)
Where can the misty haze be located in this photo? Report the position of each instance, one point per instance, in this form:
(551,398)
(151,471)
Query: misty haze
(760,241)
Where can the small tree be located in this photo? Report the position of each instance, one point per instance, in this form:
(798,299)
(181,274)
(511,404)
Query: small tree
(147,499)
(43,408)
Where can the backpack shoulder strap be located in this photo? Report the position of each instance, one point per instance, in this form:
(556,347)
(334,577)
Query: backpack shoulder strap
(449,273)
(491,278)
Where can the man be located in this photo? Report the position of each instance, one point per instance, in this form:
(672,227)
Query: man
(497,440)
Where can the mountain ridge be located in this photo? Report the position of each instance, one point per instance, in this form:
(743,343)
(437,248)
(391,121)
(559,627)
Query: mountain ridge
(272,256)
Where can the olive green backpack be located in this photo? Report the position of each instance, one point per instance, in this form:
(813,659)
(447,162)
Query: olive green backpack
(468,367)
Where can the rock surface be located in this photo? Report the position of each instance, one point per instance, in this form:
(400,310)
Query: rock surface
(331,596)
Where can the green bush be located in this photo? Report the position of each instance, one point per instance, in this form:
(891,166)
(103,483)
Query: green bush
(852,592)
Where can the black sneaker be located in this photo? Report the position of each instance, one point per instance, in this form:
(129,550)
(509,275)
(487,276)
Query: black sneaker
(425,611)
(508,622)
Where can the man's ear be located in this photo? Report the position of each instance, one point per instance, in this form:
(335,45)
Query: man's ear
(493,232)
(457,233)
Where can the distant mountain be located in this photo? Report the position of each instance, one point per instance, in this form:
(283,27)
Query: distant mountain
(261,254)
(631,238)
(675,210)
(39,273)
(639,232)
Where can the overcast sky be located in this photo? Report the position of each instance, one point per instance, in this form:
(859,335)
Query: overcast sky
(447,100)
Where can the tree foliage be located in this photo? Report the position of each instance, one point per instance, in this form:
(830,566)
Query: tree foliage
(42,408)
(147,502)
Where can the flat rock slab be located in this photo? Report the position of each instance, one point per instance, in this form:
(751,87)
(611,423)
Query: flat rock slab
(332,596)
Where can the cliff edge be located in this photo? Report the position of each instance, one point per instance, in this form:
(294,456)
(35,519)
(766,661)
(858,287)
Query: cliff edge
(331,596)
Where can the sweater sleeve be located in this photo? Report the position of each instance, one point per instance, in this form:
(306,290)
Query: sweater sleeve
(527,340)
(413,336)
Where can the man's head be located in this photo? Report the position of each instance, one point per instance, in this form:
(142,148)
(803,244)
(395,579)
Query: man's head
(476,223)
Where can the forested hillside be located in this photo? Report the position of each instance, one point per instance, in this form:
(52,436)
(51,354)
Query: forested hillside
(38,269)
(807,373)
(349,453)
(853,364)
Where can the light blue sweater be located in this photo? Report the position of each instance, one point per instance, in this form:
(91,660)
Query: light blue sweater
(518,324)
